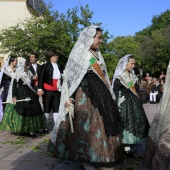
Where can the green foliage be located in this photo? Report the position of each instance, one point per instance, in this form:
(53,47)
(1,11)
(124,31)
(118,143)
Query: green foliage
(123,45)
(41,147)
(161,21)
(154,44)
(86,16)
(111,63)
(36,34)
(19,142)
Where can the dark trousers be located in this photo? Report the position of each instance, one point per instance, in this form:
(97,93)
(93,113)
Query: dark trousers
(51,101)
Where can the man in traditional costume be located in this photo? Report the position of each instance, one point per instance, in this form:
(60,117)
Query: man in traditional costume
(49,85)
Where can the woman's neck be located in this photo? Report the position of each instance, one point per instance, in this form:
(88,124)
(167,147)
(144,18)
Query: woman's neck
(93,51)
(11,67)
(128,72)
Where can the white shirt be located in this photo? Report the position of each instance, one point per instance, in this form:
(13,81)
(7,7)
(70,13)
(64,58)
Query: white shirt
(35,68)
(56,72)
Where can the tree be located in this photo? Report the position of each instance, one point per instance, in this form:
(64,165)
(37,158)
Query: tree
(123,45)
(36,34)
(52,31)
(154,43)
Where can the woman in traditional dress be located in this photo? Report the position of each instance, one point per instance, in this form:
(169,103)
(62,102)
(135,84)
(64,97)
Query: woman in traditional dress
(24,116)
(97,123)
(130,106)
(157,151)
(6,76)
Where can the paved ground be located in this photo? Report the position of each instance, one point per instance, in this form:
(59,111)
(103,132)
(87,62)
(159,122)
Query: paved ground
(24,153)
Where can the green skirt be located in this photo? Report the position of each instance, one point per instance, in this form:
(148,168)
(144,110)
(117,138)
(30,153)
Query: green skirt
(21,124)
(134,118)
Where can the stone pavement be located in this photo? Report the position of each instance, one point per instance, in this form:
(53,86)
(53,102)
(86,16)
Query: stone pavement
(26,153)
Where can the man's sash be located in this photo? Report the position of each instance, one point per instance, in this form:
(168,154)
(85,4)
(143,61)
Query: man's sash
(97,69)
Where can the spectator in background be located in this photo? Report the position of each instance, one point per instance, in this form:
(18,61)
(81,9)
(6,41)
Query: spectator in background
(148,87)
(147,76)
(162,83)
(142,90)
(155,91)
(162,75)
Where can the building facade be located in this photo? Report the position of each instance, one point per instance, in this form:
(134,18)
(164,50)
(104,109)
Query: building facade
(15,11)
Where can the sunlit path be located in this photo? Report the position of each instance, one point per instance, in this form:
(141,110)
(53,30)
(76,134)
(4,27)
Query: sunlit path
(28,153)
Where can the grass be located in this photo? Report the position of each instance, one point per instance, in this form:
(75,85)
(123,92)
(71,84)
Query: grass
(19,142)
(42,147)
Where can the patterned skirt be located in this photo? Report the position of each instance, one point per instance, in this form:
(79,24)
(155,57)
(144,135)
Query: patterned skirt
(134,118)
(89,142)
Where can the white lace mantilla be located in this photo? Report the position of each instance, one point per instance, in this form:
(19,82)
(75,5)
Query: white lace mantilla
(125,78)
(121,66)
(11,74)
(76,68)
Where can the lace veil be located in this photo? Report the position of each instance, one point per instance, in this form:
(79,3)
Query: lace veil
(121,66)
(76,67)
(1,74)
(161,120)
(2,70)
(6,69)
(20,68)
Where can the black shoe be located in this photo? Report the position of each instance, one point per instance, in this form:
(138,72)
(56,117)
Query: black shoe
(45,130)
(129,154)
(32,135)
(23,134)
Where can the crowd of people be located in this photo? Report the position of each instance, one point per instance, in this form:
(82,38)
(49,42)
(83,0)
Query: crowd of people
(94,122)
(151,88)
(22,83)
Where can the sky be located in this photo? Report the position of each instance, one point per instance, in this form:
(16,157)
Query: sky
(119,17)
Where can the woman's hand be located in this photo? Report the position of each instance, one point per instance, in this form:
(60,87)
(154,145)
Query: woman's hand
(35,77)
(40,92)
(70,103)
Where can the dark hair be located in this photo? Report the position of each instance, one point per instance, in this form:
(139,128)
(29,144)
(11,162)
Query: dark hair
(27,62)
(97,30)
(11,59)
(51,53)
(164,79)
(36,55)
(130,57)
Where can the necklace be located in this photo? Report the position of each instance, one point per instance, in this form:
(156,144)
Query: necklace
(95,55)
